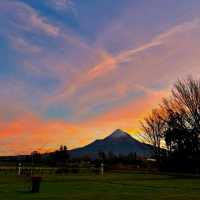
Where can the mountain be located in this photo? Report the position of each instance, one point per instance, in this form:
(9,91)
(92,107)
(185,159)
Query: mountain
(119,142)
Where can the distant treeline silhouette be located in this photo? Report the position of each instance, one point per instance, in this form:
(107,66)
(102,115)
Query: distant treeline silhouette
(175,125)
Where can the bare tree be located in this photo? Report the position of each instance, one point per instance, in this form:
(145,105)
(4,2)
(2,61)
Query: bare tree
(152,127)
(176,130)
(186,94)
(177,122)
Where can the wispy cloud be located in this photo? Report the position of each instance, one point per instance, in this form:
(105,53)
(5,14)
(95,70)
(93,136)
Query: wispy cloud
(27,128)
(19,15)
(74,84)
(23,45)
(109,64)
(61,4)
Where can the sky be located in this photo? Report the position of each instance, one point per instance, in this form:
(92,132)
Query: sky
(72,71)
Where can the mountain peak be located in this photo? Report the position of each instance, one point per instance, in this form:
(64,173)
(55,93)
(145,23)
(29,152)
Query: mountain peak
(118,134)
(119,143)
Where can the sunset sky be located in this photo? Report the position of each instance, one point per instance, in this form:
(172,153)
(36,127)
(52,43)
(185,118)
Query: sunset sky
(72,71)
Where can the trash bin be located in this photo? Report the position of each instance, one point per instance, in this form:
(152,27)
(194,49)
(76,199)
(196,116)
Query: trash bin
(36,184)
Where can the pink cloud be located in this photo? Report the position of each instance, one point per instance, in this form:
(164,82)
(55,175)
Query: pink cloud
(43,135)
(26,18)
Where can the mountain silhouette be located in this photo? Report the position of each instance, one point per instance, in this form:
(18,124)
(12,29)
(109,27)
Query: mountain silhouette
(119,143)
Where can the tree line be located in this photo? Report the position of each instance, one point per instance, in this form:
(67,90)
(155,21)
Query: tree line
(173,128)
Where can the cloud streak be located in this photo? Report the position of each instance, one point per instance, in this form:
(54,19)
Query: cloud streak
(64,81)
(27,18)
(109,63)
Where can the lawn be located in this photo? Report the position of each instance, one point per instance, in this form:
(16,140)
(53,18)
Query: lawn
(118,186)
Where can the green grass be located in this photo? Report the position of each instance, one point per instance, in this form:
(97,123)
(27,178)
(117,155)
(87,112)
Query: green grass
(112,186)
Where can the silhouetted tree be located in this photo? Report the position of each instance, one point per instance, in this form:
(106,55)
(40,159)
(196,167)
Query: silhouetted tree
(35,157)
(177,122)
(61,156)
(186,94)
(153,128)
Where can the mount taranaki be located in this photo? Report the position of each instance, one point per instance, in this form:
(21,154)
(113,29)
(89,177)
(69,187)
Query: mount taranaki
(119,142)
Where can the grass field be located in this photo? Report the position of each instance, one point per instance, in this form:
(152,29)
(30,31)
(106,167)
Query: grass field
(118,186)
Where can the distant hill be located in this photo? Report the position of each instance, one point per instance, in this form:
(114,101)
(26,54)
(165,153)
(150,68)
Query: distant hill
(119,142)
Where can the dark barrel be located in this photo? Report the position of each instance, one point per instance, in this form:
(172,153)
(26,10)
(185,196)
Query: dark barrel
(36,184)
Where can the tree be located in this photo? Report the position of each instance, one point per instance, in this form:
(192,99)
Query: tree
(61,155)
(35,157)
(175,125)
(177,135)
(186,94)
(152,127)
(177,122)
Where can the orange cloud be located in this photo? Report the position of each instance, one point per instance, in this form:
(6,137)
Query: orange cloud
(29,132)
(129,115)
(103,77)
(108,63)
